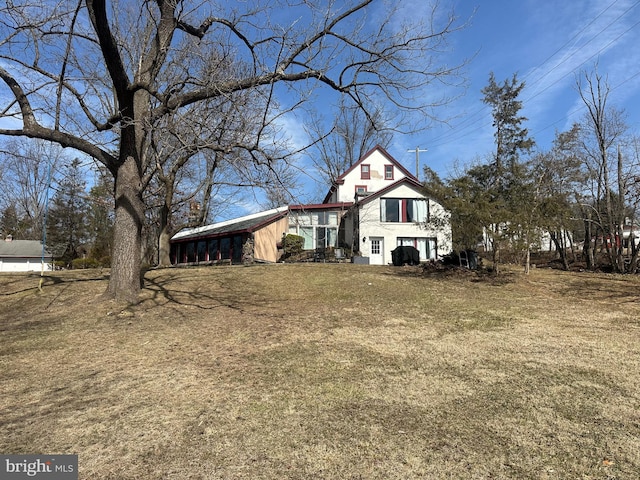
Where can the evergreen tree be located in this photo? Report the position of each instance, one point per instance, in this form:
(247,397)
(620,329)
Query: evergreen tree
(100,217)
(511,194)
(495,200)
(10,223)
(67,231)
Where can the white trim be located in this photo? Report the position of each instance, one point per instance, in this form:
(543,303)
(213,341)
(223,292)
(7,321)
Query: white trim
(206,228)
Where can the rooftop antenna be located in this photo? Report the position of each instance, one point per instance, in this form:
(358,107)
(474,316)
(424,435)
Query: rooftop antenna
(417,150)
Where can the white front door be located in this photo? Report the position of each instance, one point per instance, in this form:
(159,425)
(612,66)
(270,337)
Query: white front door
(376,251)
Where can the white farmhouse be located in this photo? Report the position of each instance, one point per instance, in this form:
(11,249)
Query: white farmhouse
(370,209)
(389,210)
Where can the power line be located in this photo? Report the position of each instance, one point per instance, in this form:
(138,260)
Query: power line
(588,59)
(459,132)
(475,114)
(582,107)
(580,33)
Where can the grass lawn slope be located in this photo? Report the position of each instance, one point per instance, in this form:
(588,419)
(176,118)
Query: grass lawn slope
(325,371)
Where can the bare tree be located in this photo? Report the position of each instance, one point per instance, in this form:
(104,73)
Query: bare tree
(221,145)
(560,179)
(603,128)
(28,171)
(352,134)
(87,74)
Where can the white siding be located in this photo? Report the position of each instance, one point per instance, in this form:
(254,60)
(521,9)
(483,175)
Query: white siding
(371,226)
(377,181)
(23,265)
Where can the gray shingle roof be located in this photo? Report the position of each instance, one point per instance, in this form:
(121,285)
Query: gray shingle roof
(22,249)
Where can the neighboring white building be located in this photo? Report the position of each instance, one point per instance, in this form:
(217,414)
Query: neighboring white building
(23,256)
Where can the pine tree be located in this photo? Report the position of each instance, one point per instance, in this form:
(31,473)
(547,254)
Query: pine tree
(511,191)
(100,217)
(9,223)
(67,231)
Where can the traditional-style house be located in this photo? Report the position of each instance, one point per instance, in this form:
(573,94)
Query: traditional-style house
(373,207)
(389,210)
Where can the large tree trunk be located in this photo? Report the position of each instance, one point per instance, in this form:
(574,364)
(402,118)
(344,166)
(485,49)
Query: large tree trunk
(125,280)
(561,249)
(496,258)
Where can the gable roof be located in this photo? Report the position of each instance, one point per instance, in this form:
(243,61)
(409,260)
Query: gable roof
(386,154)
(22,249)
(246,224)
(340,180)
(406,180)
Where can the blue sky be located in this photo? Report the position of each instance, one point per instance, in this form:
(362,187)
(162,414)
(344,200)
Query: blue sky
(547,43)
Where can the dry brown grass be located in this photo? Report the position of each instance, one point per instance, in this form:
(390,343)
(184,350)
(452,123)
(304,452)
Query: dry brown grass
(325,372)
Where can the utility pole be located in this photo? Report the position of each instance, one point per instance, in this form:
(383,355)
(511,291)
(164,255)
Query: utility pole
(417,150)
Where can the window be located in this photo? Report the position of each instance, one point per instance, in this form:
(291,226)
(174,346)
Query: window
(375,247)
(302,219)
(213,249)
(191,252)
(225,248)
(416,210)
(236,248)
(428,247)
(318,228)
(365,172)
(307,234)
(361,189)
(406,210)
(202,250)
(390,210)
(321,237)
(388,172)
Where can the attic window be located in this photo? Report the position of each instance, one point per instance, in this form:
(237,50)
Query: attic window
(388,172)
(361,189)
(365,172)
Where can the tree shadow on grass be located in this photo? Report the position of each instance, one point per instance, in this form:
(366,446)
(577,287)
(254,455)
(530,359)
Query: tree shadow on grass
(212,292)
(47,280)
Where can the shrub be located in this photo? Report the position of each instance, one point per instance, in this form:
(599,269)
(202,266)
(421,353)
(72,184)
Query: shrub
(78,263)
(292,245)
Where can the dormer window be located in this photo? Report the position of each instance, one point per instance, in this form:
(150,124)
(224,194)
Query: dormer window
(388,172)
(365,172)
